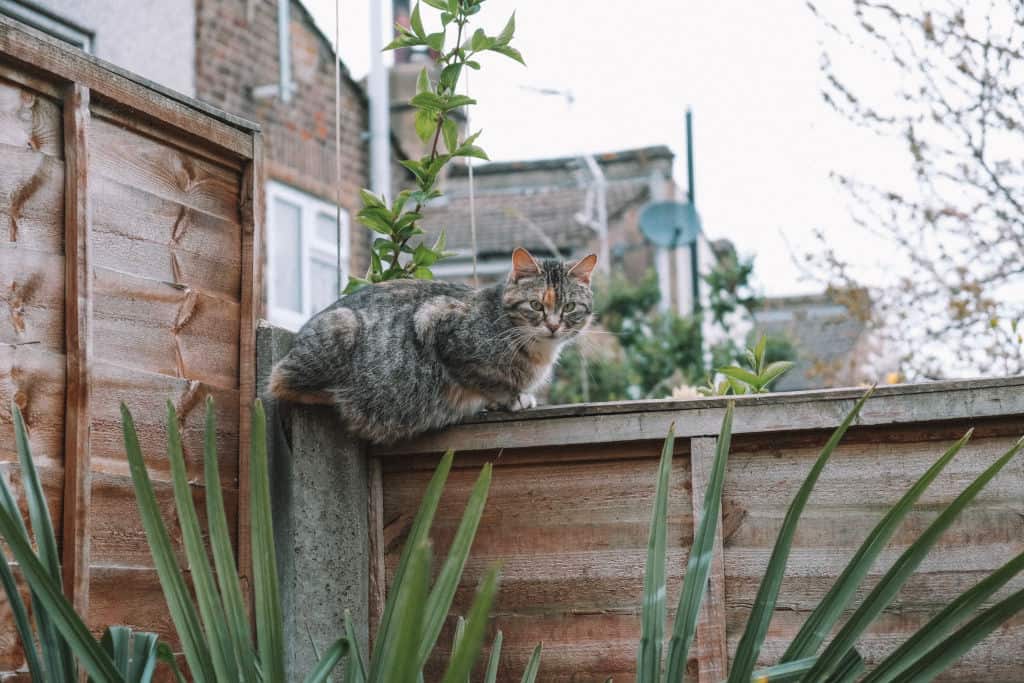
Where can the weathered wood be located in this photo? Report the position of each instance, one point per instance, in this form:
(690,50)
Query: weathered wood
(159,168)
(710,641)
(31,298)
(166,328)
(252,211)
(78,350)
(33,378)
(375,526)
(160,239)
(42,53)
(30,121)
(799,411)
(31,200)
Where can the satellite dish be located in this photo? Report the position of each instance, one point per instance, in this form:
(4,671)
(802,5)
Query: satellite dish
(670,224)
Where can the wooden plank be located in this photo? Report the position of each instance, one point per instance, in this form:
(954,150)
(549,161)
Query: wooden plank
(19,76)
(378,580)
(146,395)
(166,171)
(252,213)
(33,378)
(106,81)
(78,311)
(31,298)
(165,328)
(770,413)
(160,239)
(31,200)
(30,121)
(710,642)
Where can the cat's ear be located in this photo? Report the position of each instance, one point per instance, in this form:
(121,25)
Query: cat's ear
(582,269)
(523,265)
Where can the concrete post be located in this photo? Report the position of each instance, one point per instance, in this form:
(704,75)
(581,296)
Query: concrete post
(319,491)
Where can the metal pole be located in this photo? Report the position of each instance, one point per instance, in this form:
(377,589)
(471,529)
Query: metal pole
(380,106)
(695,247)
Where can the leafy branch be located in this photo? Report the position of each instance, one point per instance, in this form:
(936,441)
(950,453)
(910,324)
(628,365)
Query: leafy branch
(392,256)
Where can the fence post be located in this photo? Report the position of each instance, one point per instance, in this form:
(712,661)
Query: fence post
(710,645)
(319,485)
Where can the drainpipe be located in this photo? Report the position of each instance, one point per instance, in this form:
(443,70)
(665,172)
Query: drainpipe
(284,87)
(380,106)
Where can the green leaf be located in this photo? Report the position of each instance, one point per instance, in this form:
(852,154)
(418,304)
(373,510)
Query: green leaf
(370,199)
(479,41)
(695,580)
(435,41)
(440,243)
(356,670)
(166,655)
(375,263)
(447,582)
(764,604)
(944,622)
(781,673)
(508,32)
(456,101)
(423,256)
(438,4)
(533,666)
(461,662)
(742,375)
(849,669)
(762,345)
(428,100)
(402,636)
(774,371)
(473,64)
(491,675)
(450,76)
(819,624)
(355,284)
(887,587)
(176,592)
(423,81)
(340,648)
(426,124)
(509,52)
(417,22)
(402,41)
(415,167)
(374,221)
(417,536)
(652,617)
(467,150)
(423,273)
(943,655)
(222,652)
(133,654)
(55,651)
(451,135)
(223,554)
(269,618)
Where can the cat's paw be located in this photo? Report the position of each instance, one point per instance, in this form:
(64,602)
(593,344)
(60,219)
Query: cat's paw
(522,402)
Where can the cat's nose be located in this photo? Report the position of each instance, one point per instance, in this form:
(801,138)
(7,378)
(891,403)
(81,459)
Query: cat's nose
(553,326)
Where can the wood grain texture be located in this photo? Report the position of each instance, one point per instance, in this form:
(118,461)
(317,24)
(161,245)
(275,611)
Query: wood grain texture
(108,82)
(159,239)
(572,540)
(375,525)
(31,298)
(798,411)
(710,644)
(133,159)
(33,378)
(251,211)
(78,328)
(859,484)
(165,328)
(30,121)
(31,200)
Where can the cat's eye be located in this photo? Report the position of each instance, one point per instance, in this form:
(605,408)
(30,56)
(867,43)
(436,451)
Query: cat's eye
(536,305)
(569,307)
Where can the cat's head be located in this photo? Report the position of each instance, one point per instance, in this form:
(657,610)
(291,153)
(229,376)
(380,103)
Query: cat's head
(549,299)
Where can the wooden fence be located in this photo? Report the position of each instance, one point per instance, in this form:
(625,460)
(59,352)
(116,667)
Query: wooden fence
(128,226)
(571,501)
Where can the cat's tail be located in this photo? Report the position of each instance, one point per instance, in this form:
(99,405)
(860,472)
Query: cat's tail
(286,385)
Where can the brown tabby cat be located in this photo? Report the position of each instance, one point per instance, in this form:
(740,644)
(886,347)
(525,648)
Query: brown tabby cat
(407,356)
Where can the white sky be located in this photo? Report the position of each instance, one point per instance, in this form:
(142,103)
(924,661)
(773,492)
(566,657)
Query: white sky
(765,141)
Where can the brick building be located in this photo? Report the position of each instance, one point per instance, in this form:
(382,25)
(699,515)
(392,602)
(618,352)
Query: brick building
(222,52)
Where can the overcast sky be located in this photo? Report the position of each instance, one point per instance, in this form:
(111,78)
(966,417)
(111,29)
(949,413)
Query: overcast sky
(765,141)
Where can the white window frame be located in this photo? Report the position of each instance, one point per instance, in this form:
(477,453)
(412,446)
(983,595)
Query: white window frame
(43,20)
(309,207)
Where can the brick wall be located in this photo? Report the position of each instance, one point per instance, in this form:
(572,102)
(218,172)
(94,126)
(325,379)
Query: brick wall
(236,50)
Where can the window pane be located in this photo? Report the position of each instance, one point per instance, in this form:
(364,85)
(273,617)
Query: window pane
(323,276)
(327,229)
(286,223)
